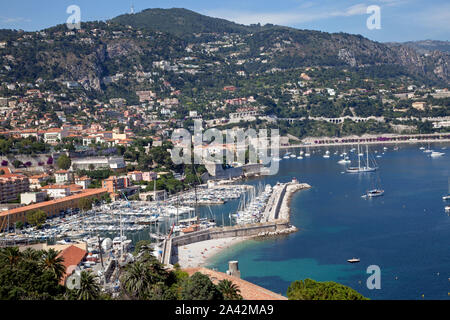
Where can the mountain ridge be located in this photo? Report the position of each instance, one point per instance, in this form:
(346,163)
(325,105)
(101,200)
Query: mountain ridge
(63,54)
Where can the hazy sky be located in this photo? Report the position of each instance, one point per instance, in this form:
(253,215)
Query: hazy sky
(401,20)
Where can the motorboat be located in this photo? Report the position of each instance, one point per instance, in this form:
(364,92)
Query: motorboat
(344,161)
(373,193)
(436,154)
(354,260)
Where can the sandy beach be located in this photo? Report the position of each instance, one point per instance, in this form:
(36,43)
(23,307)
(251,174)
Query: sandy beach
(197,254)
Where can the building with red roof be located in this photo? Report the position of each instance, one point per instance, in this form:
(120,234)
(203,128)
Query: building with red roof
(248,290)
(72,256)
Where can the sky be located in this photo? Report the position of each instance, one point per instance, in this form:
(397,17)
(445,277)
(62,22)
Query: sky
(399,20)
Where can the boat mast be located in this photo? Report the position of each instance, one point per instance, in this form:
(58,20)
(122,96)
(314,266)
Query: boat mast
(359,159)
(367,156)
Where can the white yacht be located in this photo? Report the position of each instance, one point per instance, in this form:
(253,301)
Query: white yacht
(373,193)
(359,168)
(436,154)
(344,161)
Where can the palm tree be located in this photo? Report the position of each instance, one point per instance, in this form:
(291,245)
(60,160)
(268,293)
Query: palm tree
(229,290)
(11,255)
(135,280)
(89,287)
(32,255)
(51,262)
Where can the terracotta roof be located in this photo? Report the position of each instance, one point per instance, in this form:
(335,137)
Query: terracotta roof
(249,291)
(56,186)
(39,176)
(51,130)
(11,176)
(72,257)
(75,187)
(5,169)
(35,206)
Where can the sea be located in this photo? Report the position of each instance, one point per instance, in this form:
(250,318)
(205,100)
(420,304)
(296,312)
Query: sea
(405,233)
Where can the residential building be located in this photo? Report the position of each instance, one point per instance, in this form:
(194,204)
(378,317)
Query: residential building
(72,258)
(149,176)
(63,176)
(135,175)
(54,135)
(11,185)
(419,105)
(36,180)
(84,182)
(32,197)
(115,184)
(57,191)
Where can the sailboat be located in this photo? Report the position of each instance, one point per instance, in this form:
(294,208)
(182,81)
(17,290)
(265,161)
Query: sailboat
(307,153)
(428,150)
(359,168)
(327,154)
(376,191)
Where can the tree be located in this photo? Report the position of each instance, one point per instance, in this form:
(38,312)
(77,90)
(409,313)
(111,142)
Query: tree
(51,262)
(37,218)
(23,278)
(63,162)
(229,290)
(136,281)
(85,204)
(89,287)
(140,246)
(312,290)
(31,254)
(200,287)
(10,256)
(16,163)
(19,225)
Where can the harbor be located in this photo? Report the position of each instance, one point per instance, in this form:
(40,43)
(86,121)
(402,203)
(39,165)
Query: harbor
(189,229)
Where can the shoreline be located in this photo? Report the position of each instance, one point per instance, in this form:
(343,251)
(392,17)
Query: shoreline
(199,254)
(341,144)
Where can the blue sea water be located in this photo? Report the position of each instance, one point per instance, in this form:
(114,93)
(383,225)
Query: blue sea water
(405,232)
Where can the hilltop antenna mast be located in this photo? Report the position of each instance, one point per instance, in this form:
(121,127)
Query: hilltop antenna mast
(132,8)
